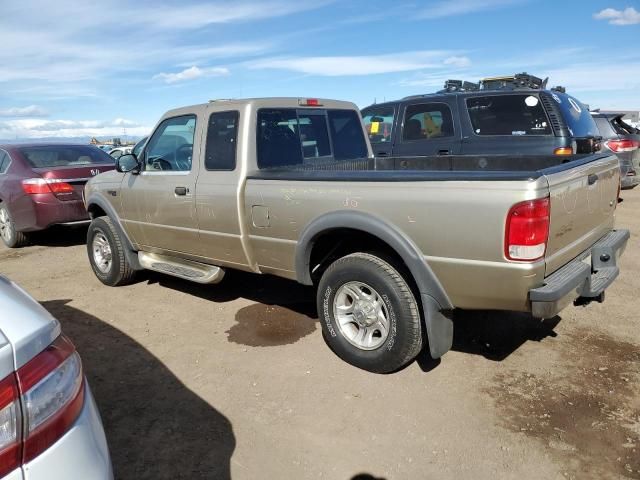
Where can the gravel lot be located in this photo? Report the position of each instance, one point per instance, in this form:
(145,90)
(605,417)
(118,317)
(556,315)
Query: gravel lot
(234,380)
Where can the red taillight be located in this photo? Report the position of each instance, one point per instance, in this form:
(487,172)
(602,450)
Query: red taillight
(39,403)
(10,423)
(309,102)
(625,145)
(563,151)
(33,186)
(527,230)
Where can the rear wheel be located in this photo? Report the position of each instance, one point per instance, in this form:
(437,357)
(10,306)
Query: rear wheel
(106,253)
(369,315)
(10,236)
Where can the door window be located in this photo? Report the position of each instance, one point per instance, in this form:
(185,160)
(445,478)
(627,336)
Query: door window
(171,146)
(378,122)
(222,138)
(427,121)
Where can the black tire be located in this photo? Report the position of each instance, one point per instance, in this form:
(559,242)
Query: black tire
(119,272)
(10,236)
(404,339)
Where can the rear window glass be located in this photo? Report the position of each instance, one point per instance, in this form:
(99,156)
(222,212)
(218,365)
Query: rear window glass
(63,155)
(513,115)
(378,122)
(294,137)
(576,115)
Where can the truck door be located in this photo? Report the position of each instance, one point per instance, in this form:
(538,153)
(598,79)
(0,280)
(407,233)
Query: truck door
(159,202)
(427,127)
(379,120)
(218,192)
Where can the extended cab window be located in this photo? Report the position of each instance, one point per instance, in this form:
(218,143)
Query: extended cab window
(427,120)
(519,114)
(171,146)
(222,138)
(293,137)
(378,122)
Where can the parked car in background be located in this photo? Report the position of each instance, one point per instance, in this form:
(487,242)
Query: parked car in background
(624,140)
(119,151)
(106,148)
(41,185)
(517,117)
(288,187)
(50,428)
(137,148)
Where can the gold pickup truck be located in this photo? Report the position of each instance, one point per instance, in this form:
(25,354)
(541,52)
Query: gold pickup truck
(289,187)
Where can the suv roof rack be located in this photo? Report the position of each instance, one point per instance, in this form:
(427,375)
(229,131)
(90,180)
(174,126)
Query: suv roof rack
(559,89)
(518,81)
(459,86)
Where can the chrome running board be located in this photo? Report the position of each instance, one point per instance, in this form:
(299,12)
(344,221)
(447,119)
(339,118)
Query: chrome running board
(178,267)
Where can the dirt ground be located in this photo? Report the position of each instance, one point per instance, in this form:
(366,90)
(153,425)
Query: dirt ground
(235,380)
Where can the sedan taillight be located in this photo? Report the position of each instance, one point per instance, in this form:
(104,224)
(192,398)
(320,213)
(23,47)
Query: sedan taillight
(624,145)
(47,397)
(62,190)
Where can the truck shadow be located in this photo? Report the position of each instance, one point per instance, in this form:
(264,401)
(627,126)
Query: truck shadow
(156,427)
(59,236)
(493,335)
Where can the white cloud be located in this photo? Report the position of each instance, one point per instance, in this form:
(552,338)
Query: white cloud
(462,7)
(459,62)
(192,73)
(357,65)
(628,16)
(29,111)
(37,128)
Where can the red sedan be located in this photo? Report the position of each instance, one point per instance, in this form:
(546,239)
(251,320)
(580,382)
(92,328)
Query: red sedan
(41,185)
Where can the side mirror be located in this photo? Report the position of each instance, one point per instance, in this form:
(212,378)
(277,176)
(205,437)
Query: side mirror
(128,163)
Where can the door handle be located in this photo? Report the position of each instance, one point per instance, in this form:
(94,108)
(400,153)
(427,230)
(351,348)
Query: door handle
(181,191)
(381,154)
(443,152)
(593,178)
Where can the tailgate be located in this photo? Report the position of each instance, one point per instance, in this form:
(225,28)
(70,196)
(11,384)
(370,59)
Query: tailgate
(583,202)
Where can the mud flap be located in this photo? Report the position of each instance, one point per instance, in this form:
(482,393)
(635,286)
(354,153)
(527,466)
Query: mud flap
(439,327)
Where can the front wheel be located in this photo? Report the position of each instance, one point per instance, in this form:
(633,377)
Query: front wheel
(369,315)
(106,253)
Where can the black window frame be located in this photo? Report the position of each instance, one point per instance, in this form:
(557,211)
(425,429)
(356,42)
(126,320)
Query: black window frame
(235,141)
(404,120)
(536,94)
(145,150)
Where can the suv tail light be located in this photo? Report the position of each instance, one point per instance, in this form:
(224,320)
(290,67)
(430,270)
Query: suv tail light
(47,395)
(62,190)
(527,230)
(624,145)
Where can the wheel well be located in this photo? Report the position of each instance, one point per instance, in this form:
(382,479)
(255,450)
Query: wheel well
(96,211)
(336,243)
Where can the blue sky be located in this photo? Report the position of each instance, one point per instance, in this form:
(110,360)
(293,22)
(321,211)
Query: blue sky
(75,68)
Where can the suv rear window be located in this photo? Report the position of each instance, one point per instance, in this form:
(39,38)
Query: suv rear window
(513,115)
(577,116)
(47,156)
(289,136)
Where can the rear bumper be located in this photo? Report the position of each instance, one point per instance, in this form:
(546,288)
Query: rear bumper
(629,181)
(37,212)
(584,278)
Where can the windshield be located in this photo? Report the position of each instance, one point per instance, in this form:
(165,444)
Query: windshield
(63,155)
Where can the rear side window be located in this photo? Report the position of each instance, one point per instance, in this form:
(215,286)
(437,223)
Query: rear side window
(427,120)
(4,161)
(222,138)
(511,115)
(47,156)
(605,128)
(294,137)
(576,115)
(378,122)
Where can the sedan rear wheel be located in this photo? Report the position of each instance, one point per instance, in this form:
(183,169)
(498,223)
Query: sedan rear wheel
(10,237)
